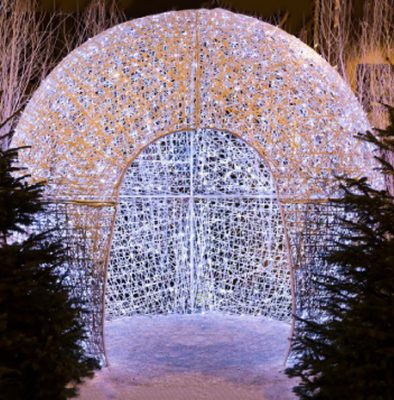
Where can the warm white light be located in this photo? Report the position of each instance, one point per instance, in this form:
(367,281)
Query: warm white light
(188,71)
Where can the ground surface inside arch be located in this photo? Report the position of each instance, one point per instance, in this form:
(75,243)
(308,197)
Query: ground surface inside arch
(195,357)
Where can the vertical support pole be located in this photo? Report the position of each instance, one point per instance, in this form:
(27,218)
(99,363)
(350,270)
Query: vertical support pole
(191,226)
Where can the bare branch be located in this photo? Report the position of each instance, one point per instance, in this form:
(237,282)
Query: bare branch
(32,42)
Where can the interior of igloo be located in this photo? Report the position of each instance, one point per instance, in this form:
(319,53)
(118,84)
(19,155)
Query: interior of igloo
(198,229)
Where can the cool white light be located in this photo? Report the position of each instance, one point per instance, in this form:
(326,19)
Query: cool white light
(203,204)
(187,71)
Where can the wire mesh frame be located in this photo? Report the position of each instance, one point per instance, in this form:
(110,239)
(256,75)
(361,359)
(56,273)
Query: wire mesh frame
(89,225)
(188,69)
(198,228)
(81,143)
(81,272)
(267,162)
(311,226)
(86,225)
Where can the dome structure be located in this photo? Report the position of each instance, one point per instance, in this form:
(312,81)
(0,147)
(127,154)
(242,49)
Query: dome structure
(189,71)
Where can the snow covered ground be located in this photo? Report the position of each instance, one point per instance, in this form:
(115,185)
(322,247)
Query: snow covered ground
(193,357)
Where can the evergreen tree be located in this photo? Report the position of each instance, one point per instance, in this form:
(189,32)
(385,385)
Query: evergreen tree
(41,356)
(349,352)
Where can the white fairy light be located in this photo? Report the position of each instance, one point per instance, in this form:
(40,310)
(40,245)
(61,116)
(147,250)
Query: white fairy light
(188,71)
(231,214)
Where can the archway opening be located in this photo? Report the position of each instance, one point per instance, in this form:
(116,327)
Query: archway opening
(198,228)
(198,254)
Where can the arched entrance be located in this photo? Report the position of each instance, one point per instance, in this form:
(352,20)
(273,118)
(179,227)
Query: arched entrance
(198,228)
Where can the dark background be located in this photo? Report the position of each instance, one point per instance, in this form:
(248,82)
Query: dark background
(299,11)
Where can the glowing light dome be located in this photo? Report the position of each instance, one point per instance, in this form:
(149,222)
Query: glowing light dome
(190,71)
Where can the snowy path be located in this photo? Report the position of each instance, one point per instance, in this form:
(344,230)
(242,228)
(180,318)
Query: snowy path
(193,357)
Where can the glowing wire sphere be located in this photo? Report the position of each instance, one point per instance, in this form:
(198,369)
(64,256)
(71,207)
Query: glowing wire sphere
(188,71)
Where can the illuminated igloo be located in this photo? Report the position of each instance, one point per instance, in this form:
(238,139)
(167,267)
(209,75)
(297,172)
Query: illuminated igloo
(190,157)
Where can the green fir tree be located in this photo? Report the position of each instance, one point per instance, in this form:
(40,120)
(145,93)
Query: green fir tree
(349,353)
(41,352)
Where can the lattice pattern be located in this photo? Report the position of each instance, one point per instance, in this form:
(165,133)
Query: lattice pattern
(85,278)
(198,228)
(184,70)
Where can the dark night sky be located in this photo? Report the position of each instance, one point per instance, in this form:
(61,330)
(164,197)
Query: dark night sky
(299,10)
